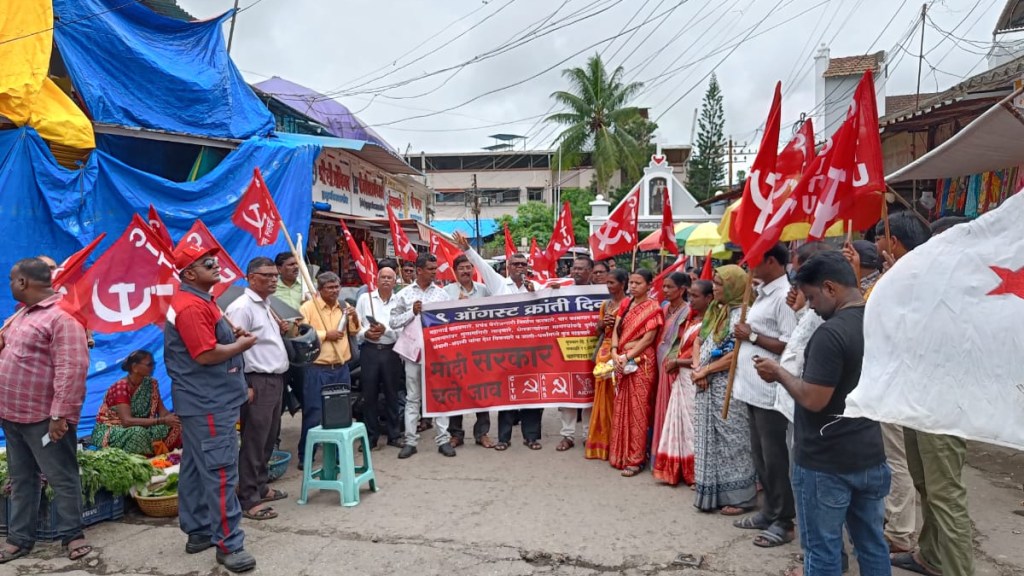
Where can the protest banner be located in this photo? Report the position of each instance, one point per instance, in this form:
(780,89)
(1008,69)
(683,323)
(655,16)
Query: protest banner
(532,350)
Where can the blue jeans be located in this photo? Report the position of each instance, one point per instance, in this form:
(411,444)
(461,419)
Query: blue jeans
(827,501)
(315,379)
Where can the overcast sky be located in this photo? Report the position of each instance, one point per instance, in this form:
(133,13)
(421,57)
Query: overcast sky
(359,50)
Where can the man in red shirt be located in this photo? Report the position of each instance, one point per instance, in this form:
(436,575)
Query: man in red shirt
(43,364)
(203,354)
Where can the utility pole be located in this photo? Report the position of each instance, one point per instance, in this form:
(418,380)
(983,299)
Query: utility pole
(730,164)
(917,96)
(231,31)
(476,212)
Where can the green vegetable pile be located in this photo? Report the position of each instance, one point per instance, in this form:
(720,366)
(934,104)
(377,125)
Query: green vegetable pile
(114,470)
(167,488)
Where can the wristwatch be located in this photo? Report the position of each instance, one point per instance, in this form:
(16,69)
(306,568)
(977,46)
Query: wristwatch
(753,338)
(54,418)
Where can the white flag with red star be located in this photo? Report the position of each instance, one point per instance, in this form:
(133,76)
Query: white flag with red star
(942,334)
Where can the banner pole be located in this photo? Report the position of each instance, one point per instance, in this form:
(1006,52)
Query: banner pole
(885,219)
(632,266)
(736,349)
(908,206)
(305,274)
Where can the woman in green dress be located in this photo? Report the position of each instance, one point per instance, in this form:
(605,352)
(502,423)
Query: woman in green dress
(132,416)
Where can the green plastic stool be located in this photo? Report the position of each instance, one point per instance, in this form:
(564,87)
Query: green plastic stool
(339,471)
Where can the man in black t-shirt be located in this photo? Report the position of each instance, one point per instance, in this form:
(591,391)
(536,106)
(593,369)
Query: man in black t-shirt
(840,475)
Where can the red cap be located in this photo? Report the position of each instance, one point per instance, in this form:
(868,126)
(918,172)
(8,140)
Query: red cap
(187,254)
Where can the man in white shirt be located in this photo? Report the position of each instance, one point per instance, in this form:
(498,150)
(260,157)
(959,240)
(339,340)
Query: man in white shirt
(407,309)
(380,366)
(265,365)
(582,267)
(770,322)
(465,288)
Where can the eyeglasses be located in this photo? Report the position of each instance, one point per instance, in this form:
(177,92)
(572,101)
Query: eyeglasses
(518,264)
(267,275)
(208,263)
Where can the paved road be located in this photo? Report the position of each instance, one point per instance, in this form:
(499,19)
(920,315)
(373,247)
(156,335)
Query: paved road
(513,513)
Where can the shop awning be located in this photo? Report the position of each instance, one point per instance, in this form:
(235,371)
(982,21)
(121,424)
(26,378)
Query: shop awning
(418,232)
(994,141)
(488,226)
(367,151)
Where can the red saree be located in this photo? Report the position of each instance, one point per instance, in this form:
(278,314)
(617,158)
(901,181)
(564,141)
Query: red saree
(633,401)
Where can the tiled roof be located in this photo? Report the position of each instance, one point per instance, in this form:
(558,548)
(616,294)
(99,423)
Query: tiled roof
(905,102)
(854,65)
(168,8)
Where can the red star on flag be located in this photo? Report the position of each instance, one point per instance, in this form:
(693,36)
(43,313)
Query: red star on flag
(1012,282)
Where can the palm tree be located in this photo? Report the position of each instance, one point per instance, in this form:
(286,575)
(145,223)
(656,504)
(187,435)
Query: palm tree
(596,121)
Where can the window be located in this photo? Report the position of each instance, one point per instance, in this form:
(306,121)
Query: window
(450,198)
(535,194)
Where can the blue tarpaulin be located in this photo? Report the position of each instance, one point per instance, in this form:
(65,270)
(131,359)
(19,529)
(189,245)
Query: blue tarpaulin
(134,67)
(47,209)
(488,226)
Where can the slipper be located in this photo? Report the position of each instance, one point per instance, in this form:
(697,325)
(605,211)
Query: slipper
(455,441)
(630,471)
(273,495)
(688,560)
(532,445)
(501,446)
(736,511)
(774,535)
(78,552)
(906,561)
(566,444)
(794,571)
(486,442)
(267,513)
(755,522)
(6,556)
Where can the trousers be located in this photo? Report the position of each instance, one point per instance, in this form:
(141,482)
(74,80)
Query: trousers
(261,424)
(381,372)
(901,504)
(568,418)
(480,429)
(315,379)
(770,453)
(936,463)
(26,458)
(529,422)
(209,468)
(413,403)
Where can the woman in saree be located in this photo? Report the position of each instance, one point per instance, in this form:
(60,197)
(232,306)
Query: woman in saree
(675,308)
(599,436)
(636,368)
(132,416)
(723,467)
(673,456)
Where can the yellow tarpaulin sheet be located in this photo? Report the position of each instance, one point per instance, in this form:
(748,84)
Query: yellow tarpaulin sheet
(27,95)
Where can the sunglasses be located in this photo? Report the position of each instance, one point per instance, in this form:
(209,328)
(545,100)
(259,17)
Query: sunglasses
(518,264)
(208,263)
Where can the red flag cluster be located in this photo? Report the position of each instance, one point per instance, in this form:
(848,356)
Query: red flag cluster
(403,247)
(618,234)
(842,182)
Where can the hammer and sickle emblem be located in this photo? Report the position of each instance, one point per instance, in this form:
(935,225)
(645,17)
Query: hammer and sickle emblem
(530,385)
(561,386)
(125,314)
(257,220)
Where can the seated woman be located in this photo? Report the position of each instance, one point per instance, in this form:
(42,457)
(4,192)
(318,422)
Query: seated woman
(132,416)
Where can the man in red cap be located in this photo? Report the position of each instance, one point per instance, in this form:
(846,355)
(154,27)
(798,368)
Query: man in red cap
(203,354)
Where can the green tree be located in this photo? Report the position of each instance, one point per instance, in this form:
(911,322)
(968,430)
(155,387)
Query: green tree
(537,220)
(707,164)
(595,119)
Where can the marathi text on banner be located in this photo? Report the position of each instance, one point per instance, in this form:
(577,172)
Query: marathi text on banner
(510,352)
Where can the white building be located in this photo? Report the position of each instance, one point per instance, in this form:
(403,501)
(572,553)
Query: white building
(836,80)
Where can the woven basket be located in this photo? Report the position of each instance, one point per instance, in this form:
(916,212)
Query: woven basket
(158,507)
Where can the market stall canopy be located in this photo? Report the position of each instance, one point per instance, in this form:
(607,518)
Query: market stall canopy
(418,232)
(992,142)
(134,67)
(337,119)
(488,226)
(362,149)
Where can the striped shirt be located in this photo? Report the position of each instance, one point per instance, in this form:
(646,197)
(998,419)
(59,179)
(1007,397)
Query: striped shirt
(771,317)
(43,365)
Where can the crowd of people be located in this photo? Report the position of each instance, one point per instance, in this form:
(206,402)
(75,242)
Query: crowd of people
(663,397)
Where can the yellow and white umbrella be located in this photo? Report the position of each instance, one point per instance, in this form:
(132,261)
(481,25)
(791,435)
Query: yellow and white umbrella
(795,231)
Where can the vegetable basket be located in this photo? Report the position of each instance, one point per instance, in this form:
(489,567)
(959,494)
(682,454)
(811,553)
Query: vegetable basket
(156,506)
(278,464)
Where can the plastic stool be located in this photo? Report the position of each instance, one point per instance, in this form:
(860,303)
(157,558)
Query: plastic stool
(339,471)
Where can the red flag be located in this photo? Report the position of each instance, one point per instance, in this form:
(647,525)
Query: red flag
(708,271)
(158,226)
(113,297)
(510,248)
(562,237)
(201,236)
(403,247)
(659,280)
(539,263)
(256,213)
(445,254)
(71,270)
(358,258)
(668,227)
(371,265)
(618,234)
(751,216)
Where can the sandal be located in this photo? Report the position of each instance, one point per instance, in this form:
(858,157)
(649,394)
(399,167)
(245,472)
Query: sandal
(273,495)
(774,535)
(908,561)
(501,446)
(267,513)
(7,556)
(456,441)
(630,471)
(755,522)
(532,444)
(794,571)
(486,442)
(77,552)
(737,511)
(566,444)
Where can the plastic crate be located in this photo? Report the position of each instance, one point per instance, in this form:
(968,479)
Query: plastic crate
(106,506)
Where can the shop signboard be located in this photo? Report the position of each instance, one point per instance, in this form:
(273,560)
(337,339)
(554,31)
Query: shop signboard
(357,188)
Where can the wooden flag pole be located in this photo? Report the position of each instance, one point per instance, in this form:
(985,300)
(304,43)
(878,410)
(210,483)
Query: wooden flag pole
(908,206)
(305,275)
(736,349)
(632,266)
(849,231)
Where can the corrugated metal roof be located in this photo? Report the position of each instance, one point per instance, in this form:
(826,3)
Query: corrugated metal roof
(854,65)
(1011,19)
(168,8)
(898,103)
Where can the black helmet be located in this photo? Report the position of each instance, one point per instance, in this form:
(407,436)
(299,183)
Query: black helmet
(304,348)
